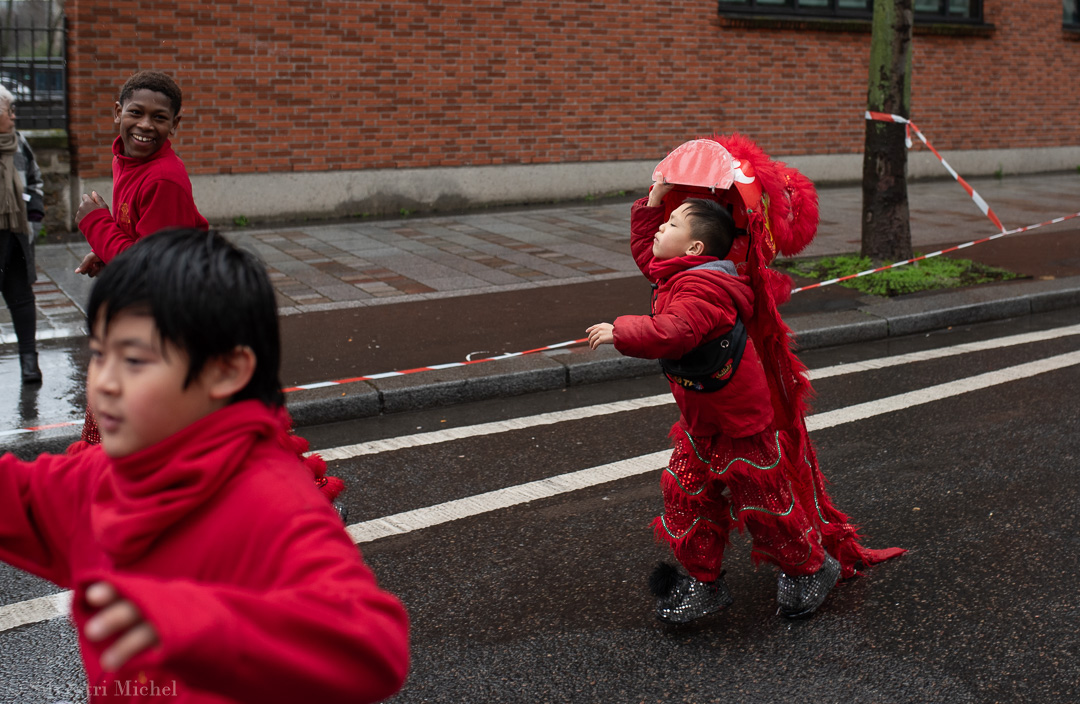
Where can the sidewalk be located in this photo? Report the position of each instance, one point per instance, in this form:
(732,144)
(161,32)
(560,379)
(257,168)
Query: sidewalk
(361,298)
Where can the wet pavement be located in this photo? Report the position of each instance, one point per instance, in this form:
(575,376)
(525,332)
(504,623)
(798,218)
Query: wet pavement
(366,297)
(546,600)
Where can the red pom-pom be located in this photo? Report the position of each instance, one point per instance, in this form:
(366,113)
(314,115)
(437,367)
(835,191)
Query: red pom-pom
(298,444)
(316,464)
(792,199)
(330,487)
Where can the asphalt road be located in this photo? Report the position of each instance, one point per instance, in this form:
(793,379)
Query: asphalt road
(964,455)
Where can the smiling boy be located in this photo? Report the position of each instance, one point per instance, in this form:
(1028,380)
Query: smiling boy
(151,188)
(202,558)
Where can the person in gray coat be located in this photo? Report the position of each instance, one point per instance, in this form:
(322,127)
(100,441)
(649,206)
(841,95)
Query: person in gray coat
(22,209)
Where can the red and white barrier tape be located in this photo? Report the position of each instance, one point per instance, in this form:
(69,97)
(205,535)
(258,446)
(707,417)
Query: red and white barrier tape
(338,382)
(36,428)
(934,254)
(403,372)
(910,126)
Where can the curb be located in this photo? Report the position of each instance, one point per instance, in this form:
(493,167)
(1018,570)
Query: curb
(564,368)
(925,312)
(576,366)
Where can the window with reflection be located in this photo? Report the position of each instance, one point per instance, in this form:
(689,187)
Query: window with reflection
(925,10)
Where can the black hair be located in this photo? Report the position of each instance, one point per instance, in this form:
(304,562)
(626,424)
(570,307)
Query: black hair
(206,297)
(155,81)
(711,223)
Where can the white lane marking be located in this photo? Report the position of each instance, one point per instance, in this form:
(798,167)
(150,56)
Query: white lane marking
(926,355)
(470,431)
(421,518)
(910,399)
(503,498)
(45,608)
(403,442)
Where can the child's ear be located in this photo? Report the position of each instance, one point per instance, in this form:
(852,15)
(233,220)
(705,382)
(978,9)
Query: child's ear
(228,374)
(175,124)
(118,110)
(696,247)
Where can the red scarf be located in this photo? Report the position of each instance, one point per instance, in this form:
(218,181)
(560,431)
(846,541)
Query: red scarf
(141,496)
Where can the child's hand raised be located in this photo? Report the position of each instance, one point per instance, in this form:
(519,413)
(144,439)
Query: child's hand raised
(91,265)
(601,334)
(89,203)
(660,188)
(117,616)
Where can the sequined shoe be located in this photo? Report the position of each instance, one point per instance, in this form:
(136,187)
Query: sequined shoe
(680,598)
(801,596)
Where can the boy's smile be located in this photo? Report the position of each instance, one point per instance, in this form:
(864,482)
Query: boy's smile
(135,385)
(675,238)
(146,120)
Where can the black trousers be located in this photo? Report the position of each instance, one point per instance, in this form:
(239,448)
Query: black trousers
(18,292)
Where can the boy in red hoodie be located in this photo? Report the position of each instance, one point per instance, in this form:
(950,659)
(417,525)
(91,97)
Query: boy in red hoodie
(732,465)
(151,188)
(204,564)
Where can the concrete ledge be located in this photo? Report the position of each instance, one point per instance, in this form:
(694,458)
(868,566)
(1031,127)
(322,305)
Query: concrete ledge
(1044,301)
(504,377)
(30,445)
(960,314)
(585,366)
(331,404)
(351,193)
(829,329)
(975,305)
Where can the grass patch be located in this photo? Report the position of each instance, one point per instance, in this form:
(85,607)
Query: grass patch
(926,275)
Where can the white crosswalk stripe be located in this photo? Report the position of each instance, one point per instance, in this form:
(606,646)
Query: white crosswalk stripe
(55,605)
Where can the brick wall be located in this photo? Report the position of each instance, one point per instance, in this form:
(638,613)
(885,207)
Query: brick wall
(277,86)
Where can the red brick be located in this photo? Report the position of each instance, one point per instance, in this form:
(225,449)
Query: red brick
(395,85)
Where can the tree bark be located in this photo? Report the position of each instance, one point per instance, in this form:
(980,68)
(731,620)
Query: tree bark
(886,228)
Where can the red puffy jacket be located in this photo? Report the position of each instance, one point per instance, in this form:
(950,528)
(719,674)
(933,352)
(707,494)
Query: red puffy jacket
(693,304)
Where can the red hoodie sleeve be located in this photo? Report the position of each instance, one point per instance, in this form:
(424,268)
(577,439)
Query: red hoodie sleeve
(644,224)
(161,204)
(689,318)
(324,633)
(34,534)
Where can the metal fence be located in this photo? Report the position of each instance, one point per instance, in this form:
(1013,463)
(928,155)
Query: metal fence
(33,68)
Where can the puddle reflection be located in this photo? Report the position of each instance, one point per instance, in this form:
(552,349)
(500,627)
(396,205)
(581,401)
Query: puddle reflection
(61,397)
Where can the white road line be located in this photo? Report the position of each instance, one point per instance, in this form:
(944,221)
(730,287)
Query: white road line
(503,498)
(429,516)
(900,402)
(437,436)
(502,426)
(926,355)
(45,608)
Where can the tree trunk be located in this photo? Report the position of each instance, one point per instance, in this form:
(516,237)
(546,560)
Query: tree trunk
(886,229)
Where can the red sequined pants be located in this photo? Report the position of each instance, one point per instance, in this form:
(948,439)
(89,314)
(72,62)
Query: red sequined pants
(714,483)
(90,432)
